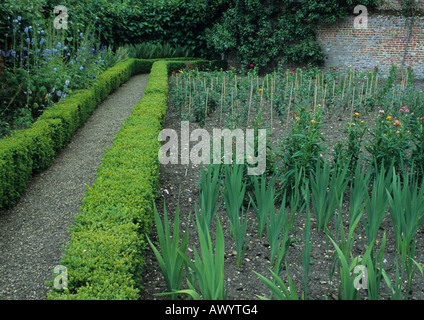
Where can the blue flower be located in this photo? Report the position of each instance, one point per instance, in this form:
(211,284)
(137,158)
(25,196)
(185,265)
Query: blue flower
(54,69)
(82,67)
(28,40)
(19,18)
(59,93)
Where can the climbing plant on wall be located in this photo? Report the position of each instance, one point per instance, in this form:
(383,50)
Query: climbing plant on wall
(258,31)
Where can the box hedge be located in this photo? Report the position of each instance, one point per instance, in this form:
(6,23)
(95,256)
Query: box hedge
(105,254)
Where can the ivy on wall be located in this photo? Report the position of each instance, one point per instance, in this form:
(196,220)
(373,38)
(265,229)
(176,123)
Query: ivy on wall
(258,31)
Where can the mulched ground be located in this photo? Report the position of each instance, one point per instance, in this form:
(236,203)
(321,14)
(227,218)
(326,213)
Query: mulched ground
(33,231)
(242,282)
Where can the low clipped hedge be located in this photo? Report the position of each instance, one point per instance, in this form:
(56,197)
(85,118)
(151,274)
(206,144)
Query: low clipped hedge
(105,254)
(31,150)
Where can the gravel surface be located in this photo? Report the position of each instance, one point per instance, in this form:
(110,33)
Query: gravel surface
(33,232)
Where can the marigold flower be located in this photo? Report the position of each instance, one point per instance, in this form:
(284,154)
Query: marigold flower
(180,71)
(397,123)
(313,121)
(260,90)
(356,114)
(388,118)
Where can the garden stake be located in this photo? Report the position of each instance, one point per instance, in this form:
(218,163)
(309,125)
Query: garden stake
(376,85)
(250,100)
(353,103)
(315,95)
(288,111)
(206,104)
(362,93)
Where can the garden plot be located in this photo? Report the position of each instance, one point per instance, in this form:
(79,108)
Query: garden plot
(329,137)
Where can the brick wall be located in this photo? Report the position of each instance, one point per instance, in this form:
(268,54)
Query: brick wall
(381,44)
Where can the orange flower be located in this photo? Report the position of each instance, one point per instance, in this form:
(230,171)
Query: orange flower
(356,114)
(313,121)
(397,123)
(260,90)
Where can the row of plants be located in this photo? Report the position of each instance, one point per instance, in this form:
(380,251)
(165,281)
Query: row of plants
(105,254)
(31,150)
(375,170)
(398,197)
(384,122)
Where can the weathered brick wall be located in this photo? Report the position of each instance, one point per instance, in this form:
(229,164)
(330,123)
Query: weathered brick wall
(381,44)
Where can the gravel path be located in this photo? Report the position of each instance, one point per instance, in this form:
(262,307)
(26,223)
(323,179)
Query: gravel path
(33,232)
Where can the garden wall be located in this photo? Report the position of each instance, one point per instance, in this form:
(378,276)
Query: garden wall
(381,44)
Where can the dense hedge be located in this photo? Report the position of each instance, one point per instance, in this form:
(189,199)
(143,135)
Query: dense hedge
(105,254)
(31,150)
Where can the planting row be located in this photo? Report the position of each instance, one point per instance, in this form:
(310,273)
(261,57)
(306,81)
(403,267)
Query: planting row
(104,256)
(31,150)
(398,197)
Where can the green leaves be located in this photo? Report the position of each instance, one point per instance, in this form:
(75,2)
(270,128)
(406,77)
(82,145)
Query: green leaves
(263,203)
(327,193)
(169,258)
(208,266)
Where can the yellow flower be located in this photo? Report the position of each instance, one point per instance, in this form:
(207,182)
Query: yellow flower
(356,114)
(397,123)
(260,90)
(313,121)
(397,131)
(389,118)
(349,66)
(180,71)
